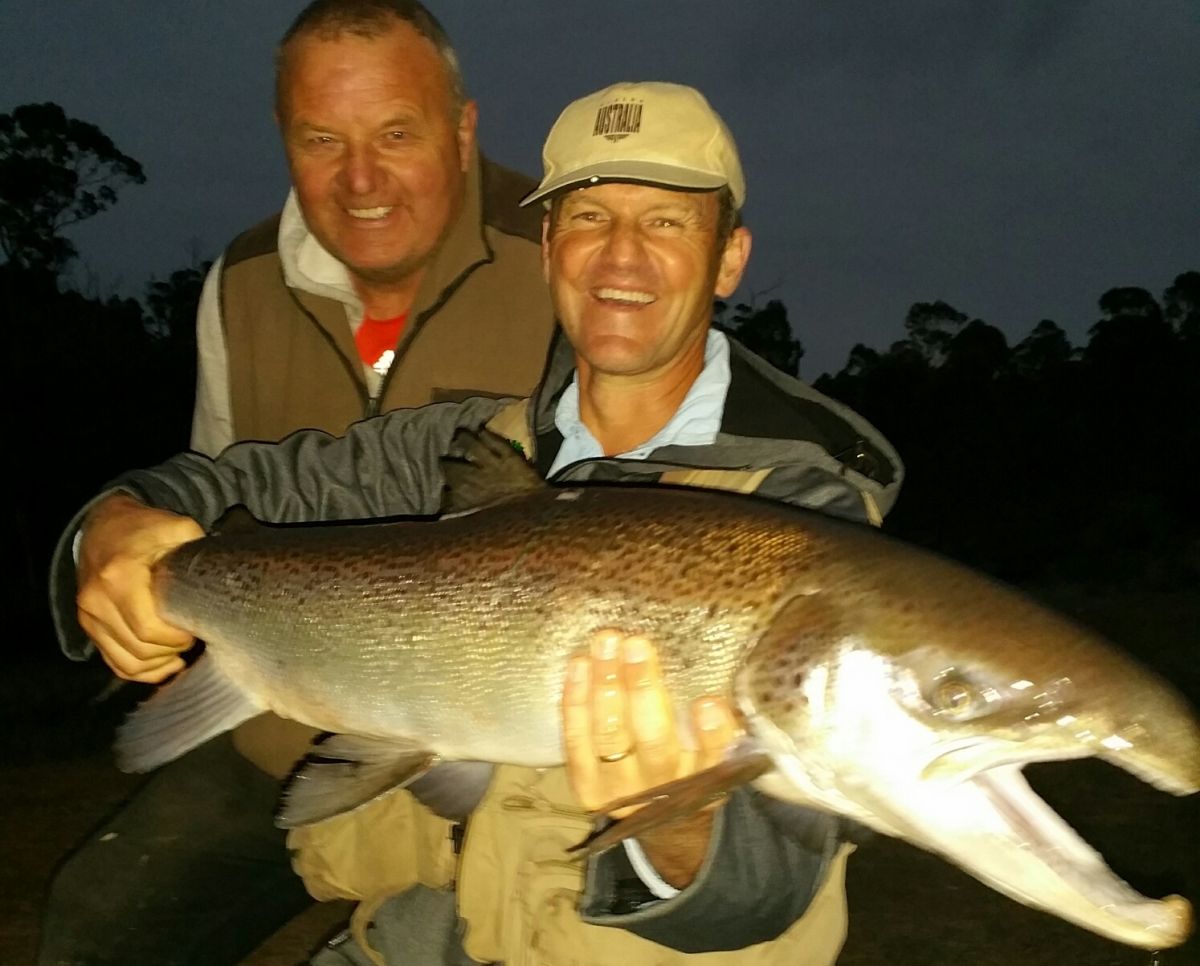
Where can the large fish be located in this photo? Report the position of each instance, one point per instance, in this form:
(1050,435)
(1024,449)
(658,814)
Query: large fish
(874,680)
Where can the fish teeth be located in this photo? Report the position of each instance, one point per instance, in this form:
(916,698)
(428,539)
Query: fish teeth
(370,214)
(625,295)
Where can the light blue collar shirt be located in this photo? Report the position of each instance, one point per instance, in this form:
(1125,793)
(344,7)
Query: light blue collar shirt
(696,422)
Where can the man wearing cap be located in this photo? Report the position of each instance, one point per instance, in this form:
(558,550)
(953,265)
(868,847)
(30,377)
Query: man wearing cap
(642,187)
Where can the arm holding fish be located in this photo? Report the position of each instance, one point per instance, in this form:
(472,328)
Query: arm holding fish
(386,466)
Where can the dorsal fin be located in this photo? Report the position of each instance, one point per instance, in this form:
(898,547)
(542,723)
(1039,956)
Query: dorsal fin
(237,519)
(483,469)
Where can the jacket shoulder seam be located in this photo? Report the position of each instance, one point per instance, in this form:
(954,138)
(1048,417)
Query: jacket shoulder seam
(261,239)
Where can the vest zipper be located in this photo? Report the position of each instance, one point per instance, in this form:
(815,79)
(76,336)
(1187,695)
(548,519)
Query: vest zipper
(405,344)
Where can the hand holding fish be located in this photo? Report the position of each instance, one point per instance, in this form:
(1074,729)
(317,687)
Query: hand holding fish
(121,540)
(621,738)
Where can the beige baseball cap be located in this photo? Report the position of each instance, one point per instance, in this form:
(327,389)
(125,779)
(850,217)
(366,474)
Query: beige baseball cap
(648,133)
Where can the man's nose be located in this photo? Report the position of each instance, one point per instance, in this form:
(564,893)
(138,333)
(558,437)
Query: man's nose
(623,246)
(360,170)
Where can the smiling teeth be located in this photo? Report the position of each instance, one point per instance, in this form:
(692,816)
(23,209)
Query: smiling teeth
(623,295)
(369,214)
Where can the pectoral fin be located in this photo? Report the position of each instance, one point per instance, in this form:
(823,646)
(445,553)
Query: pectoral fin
(344,772)
(452,789)
(677,799)
(199,704)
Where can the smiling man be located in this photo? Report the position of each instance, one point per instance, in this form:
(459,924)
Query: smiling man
(378,142)
(643,189)
(633,271)
(401,270)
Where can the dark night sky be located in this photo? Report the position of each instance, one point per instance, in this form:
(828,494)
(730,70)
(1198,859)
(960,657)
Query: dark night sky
(1013,158)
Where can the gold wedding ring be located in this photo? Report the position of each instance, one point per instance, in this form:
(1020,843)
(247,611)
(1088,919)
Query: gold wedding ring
(617,757)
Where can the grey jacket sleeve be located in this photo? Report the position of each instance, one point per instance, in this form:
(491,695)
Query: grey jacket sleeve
(758,879)
(387,466)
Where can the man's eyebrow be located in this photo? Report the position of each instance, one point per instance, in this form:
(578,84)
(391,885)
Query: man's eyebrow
(677,209)
(576,201)
(309,124)
(402,119)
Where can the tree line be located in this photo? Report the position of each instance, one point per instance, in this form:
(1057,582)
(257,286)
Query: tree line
(1037,461)
(1042,460)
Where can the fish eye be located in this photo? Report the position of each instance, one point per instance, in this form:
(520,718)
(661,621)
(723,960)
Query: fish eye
(953,697)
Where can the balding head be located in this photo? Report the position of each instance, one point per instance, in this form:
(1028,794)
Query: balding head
(369,19)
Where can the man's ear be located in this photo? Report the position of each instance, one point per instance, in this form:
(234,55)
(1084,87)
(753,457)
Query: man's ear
(467,121)
(546,246)
(733,262)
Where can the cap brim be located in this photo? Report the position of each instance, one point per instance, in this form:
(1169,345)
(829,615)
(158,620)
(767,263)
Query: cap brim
(635,172)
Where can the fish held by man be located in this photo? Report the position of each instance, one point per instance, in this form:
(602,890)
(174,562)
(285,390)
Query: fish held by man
(874,680)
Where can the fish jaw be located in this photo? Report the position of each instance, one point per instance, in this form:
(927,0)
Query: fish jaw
(860,752)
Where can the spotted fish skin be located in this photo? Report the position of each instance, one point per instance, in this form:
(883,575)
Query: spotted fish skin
(459,630)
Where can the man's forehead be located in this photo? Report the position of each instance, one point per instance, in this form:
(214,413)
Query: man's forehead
(637,194)
(397,43)
(394,57)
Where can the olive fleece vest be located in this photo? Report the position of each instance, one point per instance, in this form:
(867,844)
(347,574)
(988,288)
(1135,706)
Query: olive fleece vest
(480,324)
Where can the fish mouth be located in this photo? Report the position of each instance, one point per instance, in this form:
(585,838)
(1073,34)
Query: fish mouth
(1051,866)
(1062,872)
(971,804)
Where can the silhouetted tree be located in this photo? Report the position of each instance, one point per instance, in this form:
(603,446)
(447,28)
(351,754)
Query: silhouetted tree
(1181,306)
(172,301)
(1045,350)
(764,331)
(55,171)
(862,359)
(1131,364)
(1132,326)
(977,352)
(930,327)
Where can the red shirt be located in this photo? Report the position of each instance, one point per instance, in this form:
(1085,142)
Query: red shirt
(376,340)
